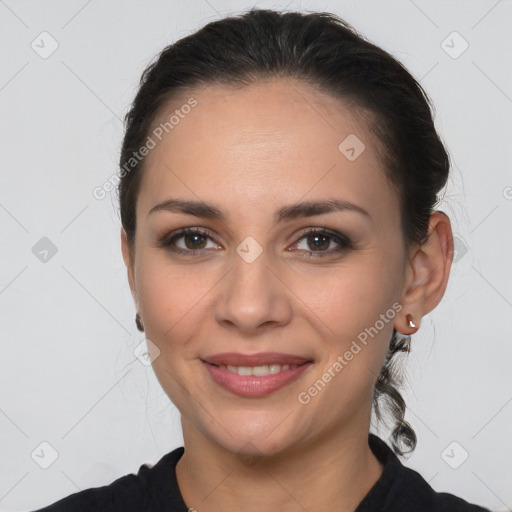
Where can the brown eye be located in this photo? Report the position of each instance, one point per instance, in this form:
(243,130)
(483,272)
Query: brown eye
(318,241)
(194,241)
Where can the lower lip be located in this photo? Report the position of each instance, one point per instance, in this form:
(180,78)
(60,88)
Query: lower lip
(252,385)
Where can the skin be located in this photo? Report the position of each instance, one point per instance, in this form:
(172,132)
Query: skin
(252,150)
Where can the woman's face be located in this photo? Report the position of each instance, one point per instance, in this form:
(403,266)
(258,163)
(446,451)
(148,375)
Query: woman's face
(259,282)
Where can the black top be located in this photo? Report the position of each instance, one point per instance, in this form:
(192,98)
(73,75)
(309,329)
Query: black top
(155,489)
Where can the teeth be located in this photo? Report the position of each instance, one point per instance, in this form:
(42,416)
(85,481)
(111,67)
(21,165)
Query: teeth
(244,370)
(259,371)
(274,368)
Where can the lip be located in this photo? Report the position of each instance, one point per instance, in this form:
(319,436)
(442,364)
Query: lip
(252,386)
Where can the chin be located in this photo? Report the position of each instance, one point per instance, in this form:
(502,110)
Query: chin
(256,434)
(247,446)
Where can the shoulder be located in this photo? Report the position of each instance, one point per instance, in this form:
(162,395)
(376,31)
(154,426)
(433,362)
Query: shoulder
(413,492)
(402,489)
(145,490)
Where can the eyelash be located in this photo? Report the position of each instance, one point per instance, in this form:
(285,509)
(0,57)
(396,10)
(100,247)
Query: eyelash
(344,242)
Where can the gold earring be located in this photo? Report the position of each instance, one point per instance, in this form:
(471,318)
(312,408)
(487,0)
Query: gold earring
(410,323)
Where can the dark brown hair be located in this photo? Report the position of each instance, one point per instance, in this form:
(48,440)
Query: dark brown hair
(323,50)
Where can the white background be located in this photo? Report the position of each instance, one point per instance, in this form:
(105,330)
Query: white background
(67,369)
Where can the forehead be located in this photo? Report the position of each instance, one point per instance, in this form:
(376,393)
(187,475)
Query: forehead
(280,140)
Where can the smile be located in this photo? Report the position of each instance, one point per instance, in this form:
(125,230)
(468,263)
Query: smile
(255,375)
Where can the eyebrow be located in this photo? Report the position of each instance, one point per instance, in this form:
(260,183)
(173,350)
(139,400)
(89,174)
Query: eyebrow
(207,210)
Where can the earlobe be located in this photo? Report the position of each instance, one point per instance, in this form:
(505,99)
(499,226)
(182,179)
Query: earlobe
(427,275)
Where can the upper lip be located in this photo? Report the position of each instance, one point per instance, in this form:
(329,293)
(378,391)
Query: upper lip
(261,358)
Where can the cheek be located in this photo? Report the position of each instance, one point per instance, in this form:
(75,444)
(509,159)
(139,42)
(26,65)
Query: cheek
(349,297)
(172,309)
(352,307)
(170,296)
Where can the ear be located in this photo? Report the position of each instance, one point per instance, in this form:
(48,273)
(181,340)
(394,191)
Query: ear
(427,273)
(125,249)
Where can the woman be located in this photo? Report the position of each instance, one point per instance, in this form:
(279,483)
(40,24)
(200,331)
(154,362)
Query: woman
(279,177)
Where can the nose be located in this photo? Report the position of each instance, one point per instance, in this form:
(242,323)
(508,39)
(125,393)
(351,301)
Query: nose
(254,297)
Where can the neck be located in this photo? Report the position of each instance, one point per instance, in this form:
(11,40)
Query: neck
(340,469)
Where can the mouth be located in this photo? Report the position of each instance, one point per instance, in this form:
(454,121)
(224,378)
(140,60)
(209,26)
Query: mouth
(255,375)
